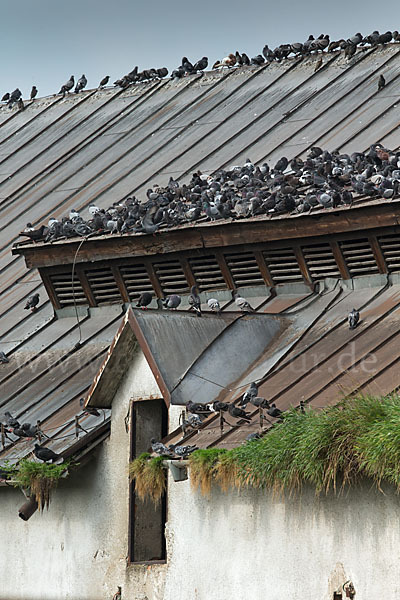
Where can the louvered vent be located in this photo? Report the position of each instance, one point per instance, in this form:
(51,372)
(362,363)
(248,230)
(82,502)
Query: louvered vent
(171,277)
(65,292)
(283,265)
(320,261)
(207,273)
(359,257)
(103,286)
(390,245)
(244,269)
(136,280)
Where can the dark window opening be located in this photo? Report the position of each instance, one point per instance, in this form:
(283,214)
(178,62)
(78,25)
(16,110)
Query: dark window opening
(337,596)
(147,521)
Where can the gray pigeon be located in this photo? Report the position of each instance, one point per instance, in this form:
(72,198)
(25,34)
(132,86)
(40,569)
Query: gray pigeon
(242,303)
(194,301)
(81,84)
(67,87)
(238,413)
(214,305)
(353,318)
(250,393)
(32,302)
(160,448)
(3,358)
(144,300)
(182,451)
(10,420)
(172,301)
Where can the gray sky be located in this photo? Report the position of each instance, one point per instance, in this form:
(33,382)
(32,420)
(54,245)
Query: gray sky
(45,41)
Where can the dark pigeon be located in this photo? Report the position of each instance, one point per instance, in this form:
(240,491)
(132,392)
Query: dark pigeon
(144,300)
(160,448)
(194,301)
(32,302)
(353,318)
(45,454)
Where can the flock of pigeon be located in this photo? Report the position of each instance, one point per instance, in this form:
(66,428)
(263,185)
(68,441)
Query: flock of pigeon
(298,50)
(196,412)
(322,180)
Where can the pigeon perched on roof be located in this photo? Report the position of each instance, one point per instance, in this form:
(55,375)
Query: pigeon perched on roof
(201,64)
(194,301)
(353,318)
(172,302)
(35,234)
(34,92)
(197,408)
(381,83)
(6,97)
(67,87)
(80,84)
(238,413)
(218,406)
(10,420)
(160,448)
(104,81)
(250,393)
(30,430)
(14,97)
(144,300)
(273,411)
(182,451)
(3,357)
(45,454)
(242,303)
(253,436)
(32,302)
(214,305)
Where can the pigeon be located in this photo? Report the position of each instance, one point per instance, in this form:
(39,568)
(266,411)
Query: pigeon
(160,448)
(67,87)
(3,357)
(273,411)
(32,302)
(34,92)
(242,303)
(11,421)
(197,408)
(201,64)
(250,393)
(20,104)
(144,300)
(217,406)
(45,454)
(104,81)
(81,84)
(259,402)
(238,413)
(194,301)
(30,430)
(6,97)
(381,83)
(192,421)
(172,301)
(253,436)
(14,97)
(182,451)
(353,318)
(36,234)
(18,431)
(214,305)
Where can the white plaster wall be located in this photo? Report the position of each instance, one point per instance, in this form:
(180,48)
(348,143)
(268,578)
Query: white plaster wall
(249,546)
(238,546)
(78,549)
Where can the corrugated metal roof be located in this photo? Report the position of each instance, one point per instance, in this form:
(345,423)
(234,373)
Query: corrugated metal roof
(100,146)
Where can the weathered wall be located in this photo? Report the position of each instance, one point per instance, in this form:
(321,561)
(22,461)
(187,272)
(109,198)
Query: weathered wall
(248,545)
(77,550)
(238,546)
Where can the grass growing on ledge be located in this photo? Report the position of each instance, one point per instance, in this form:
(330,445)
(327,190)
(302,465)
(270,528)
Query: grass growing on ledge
(329,449)
(39,478)
(149,475)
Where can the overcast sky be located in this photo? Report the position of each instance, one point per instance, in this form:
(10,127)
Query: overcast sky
(45,41)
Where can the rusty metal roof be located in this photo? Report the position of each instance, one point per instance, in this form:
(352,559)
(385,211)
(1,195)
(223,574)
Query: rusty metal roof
(315,358)
(100,146)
